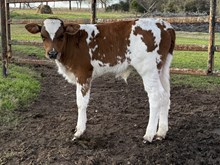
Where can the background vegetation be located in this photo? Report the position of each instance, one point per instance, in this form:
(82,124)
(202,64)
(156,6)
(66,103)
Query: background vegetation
(174,6)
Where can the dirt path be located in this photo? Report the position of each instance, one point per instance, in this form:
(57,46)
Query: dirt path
(117,119)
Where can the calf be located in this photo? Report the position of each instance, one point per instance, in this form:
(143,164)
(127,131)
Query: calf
(84,52)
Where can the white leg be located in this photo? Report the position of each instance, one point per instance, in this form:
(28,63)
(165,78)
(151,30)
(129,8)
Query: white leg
(164,110)
(163,119)
(83,94)
(156,93)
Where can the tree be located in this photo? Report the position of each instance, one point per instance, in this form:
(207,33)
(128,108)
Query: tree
(149,5)
(194,6)
(121,6)
(135,6)
(79,4)
(166,5)
(104,3)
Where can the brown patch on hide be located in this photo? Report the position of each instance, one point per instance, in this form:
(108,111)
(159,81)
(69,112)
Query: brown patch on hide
(110,45)
(147,37)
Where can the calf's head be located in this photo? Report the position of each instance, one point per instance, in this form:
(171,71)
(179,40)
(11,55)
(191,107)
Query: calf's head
(53,33)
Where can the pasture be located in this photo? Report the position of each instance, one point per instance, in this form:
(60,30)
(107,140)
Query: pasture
(38,112)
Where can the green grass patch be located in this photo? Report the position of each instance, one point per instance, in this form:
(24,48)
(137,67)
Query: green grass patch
(210,83)
(198,38)
(18,32)
(24,50)
(32,14)
(17,90)
(194,60)
(65,14)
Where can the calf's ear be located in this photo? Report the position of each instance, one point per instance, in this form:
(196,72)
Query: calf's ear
(33,28)
(72,28)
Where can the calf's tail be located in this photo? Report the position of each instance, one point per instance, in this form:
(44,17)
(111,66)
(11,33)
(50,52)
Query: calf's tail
(165,72)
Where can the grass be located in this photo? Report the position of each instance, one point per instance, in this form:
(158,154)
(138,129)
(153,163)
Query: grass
(17,90)
(198,38)
(194,60)
(20,33)
(61,13)
(24,50)
(209,83)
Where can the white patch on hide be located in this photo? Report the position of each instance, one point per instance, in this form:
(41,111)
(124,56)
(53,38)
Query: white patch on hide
(68,75)
(89,29)
(51,26)
(91,50)
(101,68)
(149,24)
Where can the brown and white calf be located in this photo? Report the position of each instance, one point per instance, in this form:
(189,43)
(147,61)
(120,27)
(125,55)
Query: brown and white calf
(84,52)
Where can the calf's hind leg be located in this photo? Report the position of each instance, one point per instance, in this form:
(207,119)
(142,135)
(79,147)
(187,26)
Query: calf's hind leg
(156,94)
(164,110)
(165,80)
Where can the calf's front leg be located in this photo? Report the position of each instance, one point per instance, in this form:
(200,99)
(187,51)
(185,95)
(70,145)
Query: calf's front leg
(82,94)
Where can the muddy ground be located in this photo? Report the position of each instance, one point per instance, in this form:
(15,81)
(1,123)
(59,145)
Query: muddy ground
(117,119)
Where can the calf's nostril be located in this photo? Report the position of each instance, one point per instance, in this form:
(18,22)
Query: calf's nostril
(52,54)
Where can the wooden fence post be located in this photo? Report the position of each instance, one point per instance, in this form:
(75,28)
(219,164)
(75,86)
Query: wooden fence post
(4,38)
(8,19)
(211,47)
(93,8)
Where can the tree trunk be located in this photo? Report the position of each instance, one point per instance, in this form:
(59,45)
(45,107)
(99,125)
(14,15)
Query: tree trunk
(70,7)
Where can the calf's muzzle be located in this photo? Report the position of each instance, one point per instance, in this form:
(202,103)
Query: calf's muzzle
(52,54)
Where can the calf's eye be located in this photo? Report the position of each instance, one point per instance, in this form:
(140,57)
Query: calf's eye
(61,37)
(43,38)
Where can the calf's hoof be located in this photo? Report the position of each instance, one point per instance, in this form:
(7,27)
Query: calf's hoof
(77,135)
(155,138)
(148,138)
(162,131)
(159,138)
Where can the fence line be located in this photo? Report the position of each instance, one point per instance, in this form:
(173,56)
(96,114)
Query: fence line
(180,47)
(172,20)
(39,21)
(172,70)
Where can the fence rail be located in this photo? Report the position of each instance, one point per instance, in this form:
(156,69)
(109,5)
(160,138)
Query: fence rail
(39,21)
(172,70)
(196,48)
(172,20)
(177,47)
(203,19)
